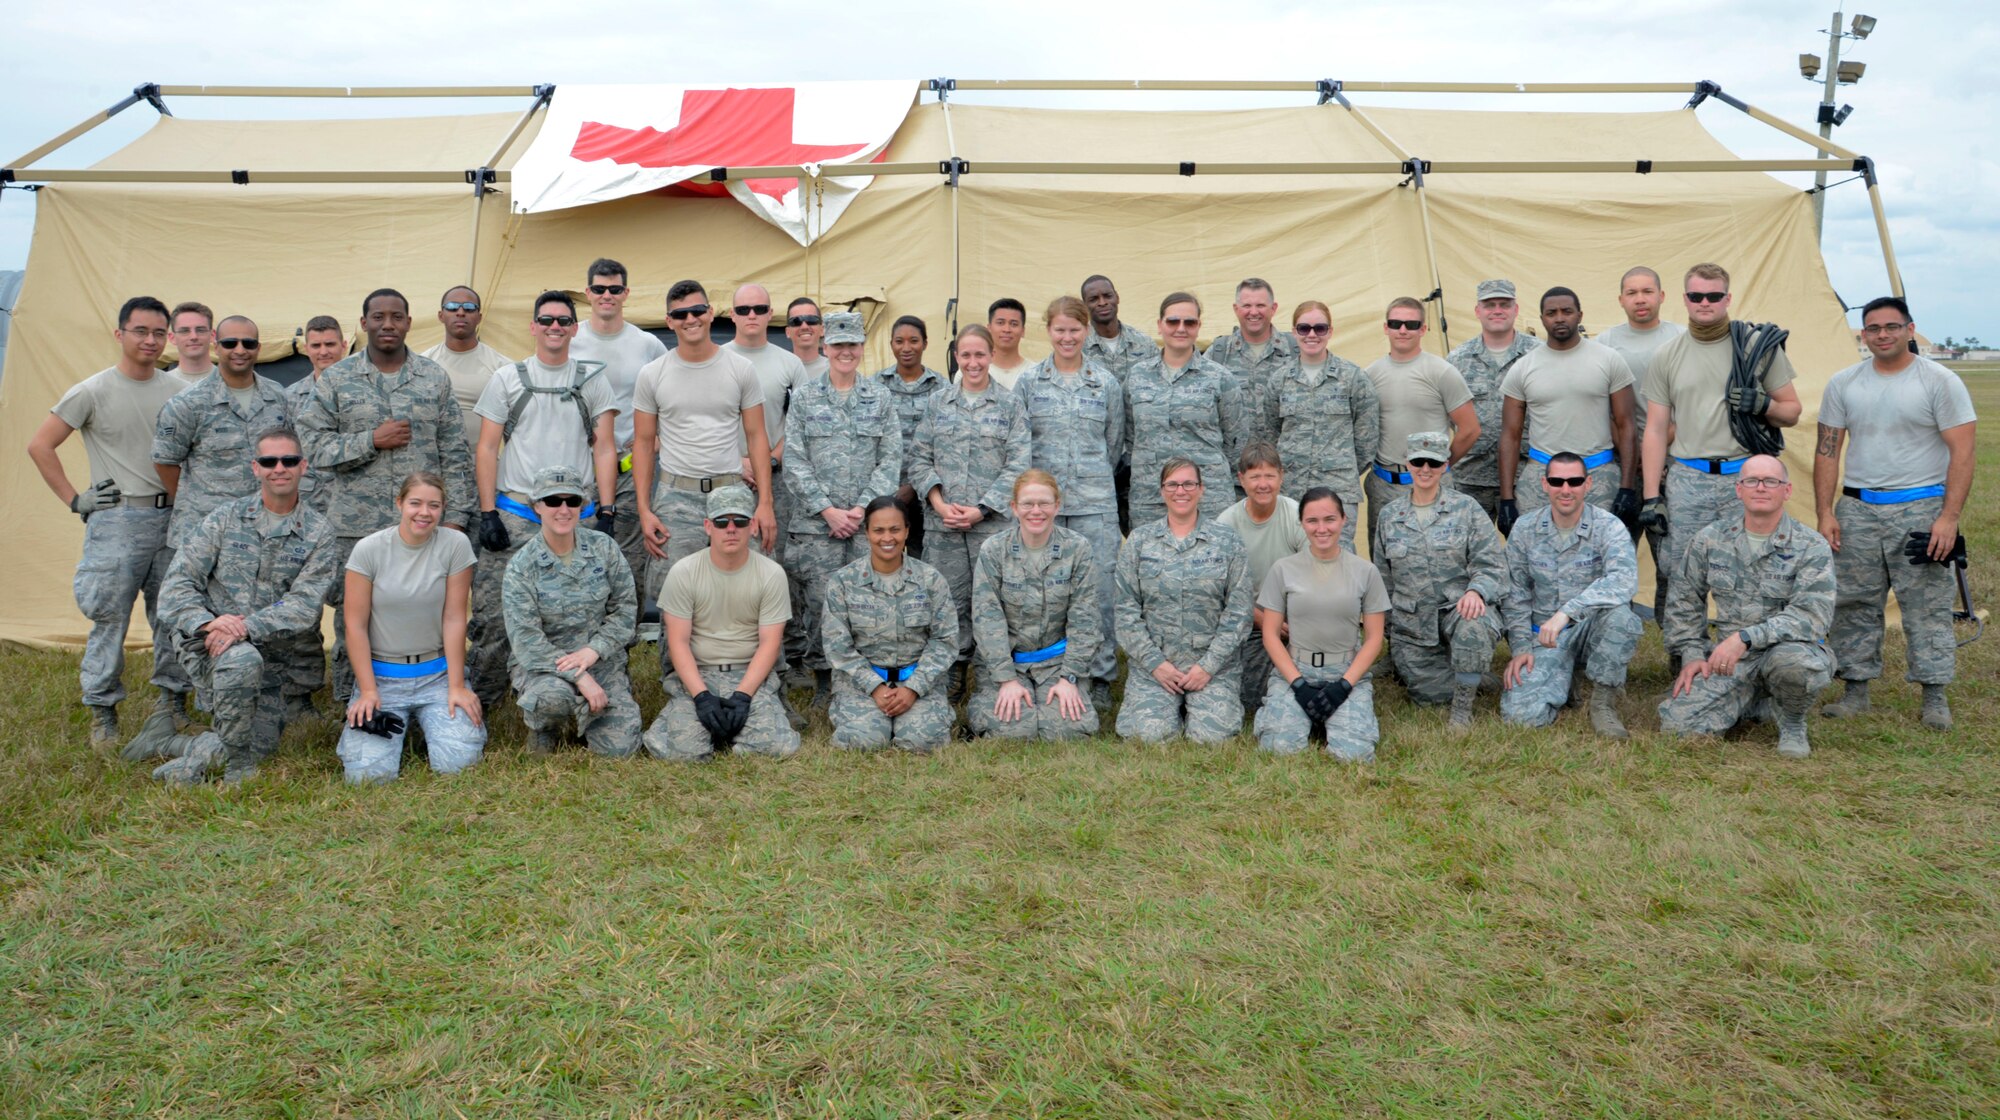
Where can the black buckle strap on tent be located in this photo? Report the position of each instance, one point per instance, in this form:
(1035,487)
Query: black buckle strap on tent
(954,167)
(1329,90)
(1415,170)
(943,87)
(1645,167)
(1866,166)
(1437,297)
(6,174)
(1187,167)
(478,177)
(240,178)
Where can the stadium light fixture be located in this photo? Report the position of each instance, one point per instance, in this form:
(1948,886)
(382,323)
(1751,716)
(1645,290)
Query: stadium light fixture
(1850,72)
(1862,27)
(1809,66)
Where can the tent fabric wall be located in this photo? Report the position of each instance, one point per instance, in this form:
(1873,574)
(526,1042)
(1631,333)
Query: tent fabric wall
(282,254)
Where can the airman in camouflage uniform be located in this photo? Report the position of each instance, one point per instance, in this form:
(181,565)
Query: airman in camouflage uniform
(306,661)
(1777,598)
(555,605)
(1254,376)
(1589,575)
(271,570)
(911,399)
(1077,431)
(1328,425)
(904,623)
(1441,654)
(1184,601)
(1024,602)
(974,448)
(1196,414)
(1119,356)
(1478,472)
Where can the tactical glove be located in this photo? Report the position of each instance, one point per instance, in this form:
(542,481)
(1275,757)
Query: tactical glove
(607,521)
(1506,514)
(493,532)
(98,498)
(1751,401)
(1653,514)
(1918,549)
(1625,507)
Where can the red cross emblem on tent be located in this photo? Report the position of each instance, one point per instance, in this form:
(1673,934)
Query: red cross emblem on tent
(717,128)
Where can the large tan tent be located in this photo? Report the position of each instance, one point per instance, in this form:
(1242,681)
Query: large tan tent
(282,252)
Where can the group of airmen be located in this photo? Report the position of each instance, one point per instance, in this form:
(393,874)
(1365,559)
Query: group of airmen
(993,537)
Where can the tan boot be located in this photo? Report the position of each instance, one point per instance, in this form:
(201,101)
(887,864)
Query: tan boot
(1604,712)
(104,726)
(1462,697)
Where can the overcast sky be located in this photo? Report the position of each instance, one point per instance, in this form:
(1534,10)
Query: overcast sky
(1925,111)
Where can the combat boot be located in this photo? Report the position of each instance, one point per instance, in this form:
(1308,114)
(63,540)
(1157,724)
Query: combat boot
(197,755)
(1937,710)
(165,721)
(1462,697)
(103,726)
(1604,712)
(822,688)
(541,741)
(954,689)
(1792,735)
(1852,702)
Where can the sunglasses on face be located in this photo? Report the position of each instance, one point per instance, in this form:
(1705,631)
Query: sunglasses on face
(1425,464)
(803,321)
(743,309)
(556,320)
(566,501)
(233,343)
(1312,328)
(1177,324)
(607,289)
(460,305)
(691,311)
(730,521)
(1707,297)
(1404,324)
(1577,481)
(270,461)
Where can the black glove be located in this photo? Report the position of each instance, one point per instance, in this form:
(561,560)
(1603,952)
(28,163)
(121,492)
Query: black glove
(1653,514)
(385,724)
(96,499)
(1336,692)
(1625,507)
(493,532)
(1752,401)
(736,711)
(709,711)
(1505,514)
(607,520)
(1307,694)
(1918,549)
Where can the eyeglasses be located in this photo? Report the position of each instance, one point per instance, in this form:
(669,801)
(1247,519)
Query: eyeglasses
(1885,328)
(460,305)
(1180,485)
(1707,297)
(142,332)
(732,521)
(567,501)
(1762,483)
(803,321)
(1573,480)
(1404,324)
(233,343)
(607,289)
(691,311)
(556,320)
(743,309)
(191,330)
(270,461)
(1425,464)
(1312,328)
(1037,504)
(1177,324)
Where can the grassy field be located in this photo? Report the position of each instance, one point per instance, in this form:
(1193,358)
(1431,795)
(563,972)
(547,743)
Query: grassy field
(1509,924)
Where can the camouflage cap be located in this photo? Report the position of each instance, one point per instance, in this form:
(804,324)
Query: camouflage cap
(1495,289)
(732,499)
(844,326)
(1429,445)
(557,480)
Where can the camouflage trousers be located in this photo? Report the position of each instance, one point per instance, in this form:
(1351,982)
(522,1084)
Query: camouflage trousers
(486,670)
(452,741)
(796,641)
(1256,670)
(336,597)
(1487,494)
(632,543)
(953,554)
(1283,727)
(1605,640)
(1790,673)
(125,555)
(1213,714)
(683,512)
(1695,501)
(1871,562)
(550,703)
(859,725)
(244,690)
(1656,542)
(1042,720)
(678,736)
(305,658)
(815,557)
(1530,496)
(1101,530)
(1464,652)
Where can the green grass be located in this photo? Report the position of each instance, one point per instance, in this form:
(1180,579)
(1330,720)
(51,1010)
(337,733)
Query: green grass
(1511,924)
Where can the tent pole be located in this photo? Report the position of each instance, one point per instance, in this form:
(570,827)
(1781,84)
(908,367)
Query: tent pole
(1882,227)
(149,92)
(1416,169)
(479,188)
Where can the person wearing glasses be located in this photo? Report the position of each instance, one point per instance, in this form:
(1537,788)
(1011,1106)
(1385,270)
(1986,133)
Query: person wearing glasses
(1256,353)
(910,384)
(1320,615)
(1772,583)
(374,419)
(724,611)
(125,511)
(1184,601)
(624,349)
(1572,572)
(1180,404)
(846,449)
(194,341)
(1691,454)
(1447,578)
(1891,517)
(1575,395)
(1325,417)
(891,636)
(550,410)
(463,356)
(1076,427)
(699,413)
(1485,362)
(571,608)
(252,574)
(324,345)
(1035,622)
(805,328)
(409,593)
(781,374)
(1419,392)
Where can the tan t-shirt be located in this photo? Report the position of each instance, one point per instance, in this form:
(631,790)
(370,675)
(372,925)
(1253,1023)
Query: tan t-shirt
(1323,602)
(726,608)
(624,354)
(406,600)
(1568,395)
(469,373)
(116,416)
(1417,396)
(1275,539)
(551,431)
(700,406)
(1692,379)
(779,371)
(1007,375)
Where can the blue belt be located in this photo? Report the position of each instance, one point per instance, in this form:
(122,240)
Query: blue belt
(1399,478)
(894,675)
(402,671)
(1590,462)
(527,513)
(1713,466)
(1037,656)
(1894,497)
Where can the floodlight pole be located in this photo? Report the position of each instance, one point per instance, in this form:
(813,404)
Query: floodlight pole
(1833,37)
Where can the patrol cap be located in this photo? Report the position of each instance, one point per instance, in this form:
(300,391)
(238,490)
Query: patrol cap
(732,500)
(557,480)
(844,326)
(1429,445)
(1496,289)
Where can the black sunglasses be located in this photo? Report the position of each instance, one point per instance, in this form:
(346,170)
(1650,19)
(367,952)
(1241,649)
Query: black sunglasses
(573,501)
(1573,480)
(1312,328)
(730,521)
(1177,322)
(1707,297)
(233,343)
(691,311)
(556,320)
(607,289)
(803,321)
(1404,324)
(269,461)
(460,305)
(1429,464)
(752,309)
